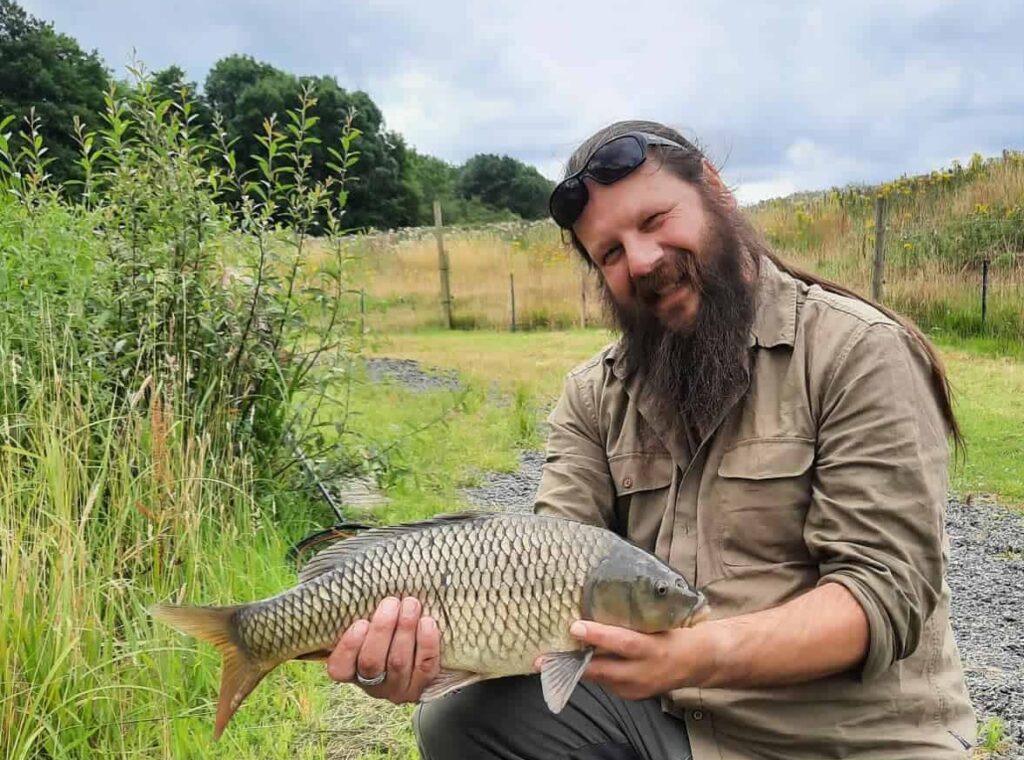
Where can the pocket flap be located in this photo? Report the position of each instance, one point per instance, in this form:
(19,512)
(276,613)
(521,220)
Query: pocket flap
(764,458)
(640,472)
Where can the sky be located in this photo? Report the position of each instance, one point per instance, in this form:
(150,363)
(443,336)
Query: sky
(782,96)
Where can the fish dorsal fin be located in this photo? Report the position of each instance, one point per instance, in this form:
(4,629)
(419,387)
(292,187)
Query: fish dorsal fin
(560,672)
(336,554)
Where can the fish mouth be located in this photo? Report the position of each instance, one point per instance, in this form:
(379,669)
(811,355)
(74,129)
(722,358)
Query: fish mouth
(700,613)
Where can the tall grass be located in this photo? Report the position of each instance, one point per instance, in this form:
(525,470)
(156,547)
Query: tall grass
(164,353)
(105,508)
(553,290)
(939,229)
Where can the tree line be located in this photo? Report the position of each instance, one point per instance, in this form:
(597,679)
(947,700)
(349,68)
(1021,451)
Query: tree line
(46,73)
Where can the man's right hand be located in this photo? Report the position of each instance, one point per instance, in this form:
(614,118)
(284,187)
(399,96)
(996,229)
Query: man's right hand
(397,639)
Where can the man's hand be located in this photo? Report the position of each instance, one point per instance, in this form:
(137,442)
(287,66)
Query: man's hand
(397,639)
(640,665)
(818,633)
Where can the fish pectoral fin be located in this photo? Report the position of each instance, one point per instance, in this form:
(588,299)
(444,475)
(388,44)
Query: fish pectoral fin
(448,681)
(560,673)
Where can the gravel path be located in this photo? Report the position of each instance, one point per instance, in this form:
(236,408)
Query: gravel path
(410,374)
(986,574)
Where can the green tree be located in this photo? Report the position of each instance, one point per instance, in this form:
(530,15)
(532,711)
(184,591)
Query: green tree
(246,91)
(48,71)
(431,178)
(505,182)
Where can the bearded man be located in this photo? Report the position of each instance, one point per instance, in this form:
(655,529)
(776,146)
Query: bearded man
(779,441)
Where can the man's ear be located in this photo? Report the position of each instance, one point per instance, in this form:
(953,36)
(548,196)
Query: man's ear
(714,180)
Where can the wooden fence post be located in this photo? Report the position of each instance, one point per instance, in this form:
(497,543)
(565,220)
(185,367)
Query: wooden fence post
(583,299)
(984,290)
(362,313)
(879,268)
(442,265)
(512,292)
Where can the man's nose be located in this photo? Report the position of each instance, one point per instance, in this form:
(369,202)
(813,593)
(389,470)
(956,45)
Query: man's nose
(644,259)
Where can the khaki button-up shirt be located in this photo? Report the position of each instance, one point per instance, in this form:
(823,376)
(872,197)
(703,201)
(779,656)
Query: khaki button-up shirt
(831,467)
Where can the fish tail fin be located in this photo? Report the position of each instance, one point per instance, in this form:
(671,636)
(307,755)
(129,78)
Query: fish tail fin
(215,625)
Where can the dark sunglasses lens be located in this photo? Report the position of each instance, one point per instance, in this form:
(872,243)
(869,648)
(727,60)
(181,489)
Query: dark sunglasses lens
(613,161)
(567,202)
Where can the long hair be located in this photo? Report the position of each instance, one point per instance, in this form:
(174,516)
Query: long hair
(688,164)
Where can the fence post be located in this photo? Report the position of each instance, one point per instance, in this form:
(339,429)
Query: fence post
(879,269)
(442,265)
(984,289)
(583,299)
(512,291)
(362,313)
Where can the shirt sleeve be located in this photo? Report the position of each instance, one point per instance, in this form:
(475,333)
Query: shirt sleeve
(876,521)
(575,480)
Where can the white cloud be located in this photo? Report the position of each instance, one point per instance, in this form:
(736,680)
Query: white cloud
(790,95)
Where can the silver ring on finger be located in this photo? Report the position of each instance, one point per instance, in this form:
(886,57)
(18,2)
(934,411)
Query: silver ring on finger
(377,680)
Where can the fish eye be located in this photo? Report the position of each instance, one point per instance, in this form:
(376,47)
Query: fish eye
(661,588)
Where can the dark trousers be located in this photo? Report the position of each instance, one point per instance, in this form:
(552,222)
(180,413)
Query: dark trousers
(507,718)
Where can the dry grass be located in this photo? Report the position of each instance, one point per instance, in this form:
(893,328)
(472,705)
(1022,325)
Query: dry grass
(938,230)
(552,287)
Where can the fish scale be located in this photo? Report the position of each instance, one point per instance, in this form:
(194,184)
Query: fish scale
(502,587)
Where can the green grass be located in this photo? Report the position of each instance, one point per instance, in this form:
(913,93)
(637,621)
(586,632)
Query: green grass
(100,517)
(989,389)
(537,361)
(990,406)
(991,738)
(429,445)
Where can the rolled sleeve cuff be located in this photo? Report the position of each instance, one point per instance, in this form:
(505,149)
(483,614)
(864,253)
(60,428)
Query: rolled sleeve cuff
(881,652)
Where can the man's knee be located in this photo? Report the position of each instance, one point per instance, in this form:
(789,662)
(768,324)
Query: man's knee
(463,724)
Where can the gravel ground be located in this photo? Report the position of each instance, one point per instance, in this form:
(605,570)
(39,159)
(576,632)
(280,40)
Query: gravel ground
(986,574)
(410,374)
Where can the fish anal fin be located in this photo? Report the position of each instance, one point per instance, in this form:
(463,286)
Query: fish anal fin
(448,681)
(239,672)
(560,672)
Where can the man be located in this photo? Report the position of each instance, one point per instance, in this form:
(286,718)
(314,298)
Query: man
(780,442)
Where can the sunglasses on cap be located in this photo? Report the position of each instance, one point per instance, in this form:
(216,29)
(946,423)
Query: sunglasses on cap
(611,162)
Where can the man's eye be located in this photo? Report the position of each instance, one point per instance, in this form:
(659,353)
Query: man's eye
(653,220)
(611,254)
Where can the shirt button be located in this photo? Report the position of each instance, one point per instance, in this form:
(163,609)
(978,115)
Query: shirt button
(627,482)
(697,715)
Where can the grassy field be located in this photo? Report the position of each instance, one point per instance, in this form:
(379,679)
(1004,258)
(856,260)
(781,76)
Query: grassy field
(989,390)
(939,228)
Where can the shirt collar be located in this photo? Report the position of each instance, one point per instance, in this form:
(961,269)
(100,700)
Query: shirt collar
(776,305)
(774,316)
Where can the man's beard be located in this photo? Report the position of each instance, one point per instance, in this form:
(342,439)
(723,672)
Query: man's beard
(692,375)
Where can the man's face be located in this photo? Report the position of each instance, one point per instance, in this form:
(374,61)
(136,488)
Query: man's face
(678,280)
(648,234)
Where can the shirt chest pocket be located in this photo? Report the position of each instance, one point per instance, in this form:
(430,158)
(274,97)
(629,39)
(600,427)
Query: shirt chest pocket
(760,501)
(643,493)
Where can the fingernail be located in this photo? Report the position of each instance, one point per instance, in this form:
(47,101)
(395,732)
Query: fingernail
(427,625)
(389,606)
(578,630)
(361,627)
(409,606)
